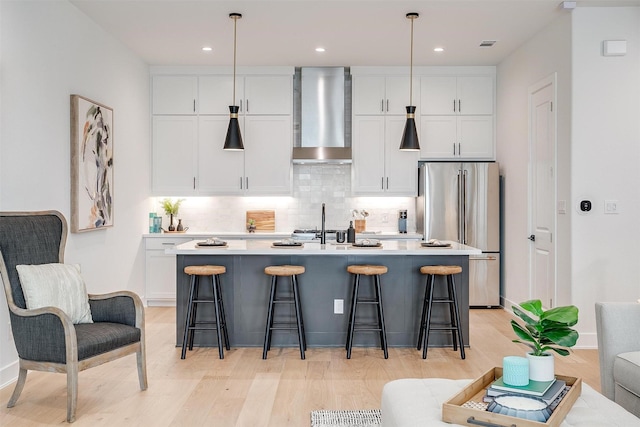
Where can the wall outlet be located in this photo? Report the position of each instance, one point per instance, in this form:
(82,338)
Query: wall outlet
(338,306)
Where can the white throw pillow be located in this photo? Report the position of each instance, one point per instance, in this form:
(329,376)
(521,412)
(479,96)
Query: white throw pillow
(56,285)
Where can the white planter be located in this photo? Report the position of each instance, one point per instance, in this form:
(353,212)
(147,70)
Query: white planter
(541,368)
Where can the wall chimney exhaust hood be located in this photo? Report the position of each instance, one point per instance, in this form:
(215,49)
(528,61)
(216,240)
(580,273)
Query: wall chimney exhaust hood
(322,115)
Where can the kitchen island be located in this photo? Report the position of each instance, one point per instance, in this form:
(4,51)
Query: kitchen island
(245,290)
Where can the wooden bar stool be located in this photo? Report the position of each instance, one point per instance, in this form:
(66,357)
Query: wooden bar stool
(291,271)
(191,322)
(451,299)
(374,271)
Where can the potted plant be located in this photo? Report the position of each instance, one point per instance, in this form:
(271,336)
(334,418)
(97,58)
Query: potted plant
(543,332)
(251,225)
(171,208)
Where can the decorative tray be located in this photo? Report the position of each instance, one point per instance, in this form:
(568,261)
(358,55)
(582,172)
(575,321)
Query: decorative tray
(435,245)
(212,244)
(367,245)
(459,410)
(286,245)
(174,232)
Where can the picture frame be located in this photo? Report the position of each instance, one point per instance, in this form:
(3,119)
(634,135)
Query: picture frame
(92,173)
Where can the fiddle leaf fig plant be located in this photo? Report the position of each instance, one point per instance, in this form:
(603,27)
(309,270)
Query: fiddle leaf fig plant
(546,330)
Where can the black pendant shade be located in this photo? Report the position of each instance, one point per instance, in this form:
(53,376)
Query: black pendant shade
(233,141)
(410,135)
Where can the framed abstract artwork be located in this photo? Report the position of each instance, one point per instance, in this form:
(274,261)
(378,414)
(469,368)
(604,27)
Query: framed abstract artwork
(91,165)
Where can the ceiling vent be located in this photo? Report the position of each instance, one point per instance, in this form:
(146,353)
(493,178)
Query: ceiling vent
(487,43)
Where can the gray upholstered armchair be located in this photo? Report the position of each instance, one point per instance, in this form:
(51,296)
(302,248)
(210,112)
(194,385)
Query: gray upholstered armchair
(45,338)
(619,351)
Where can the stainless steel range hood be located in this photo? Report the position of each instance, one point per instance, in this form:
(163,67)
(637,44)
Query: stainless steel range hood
(322,115)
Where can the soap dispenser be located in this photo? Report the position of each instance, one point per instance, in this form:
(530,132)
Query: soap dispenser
(351,233)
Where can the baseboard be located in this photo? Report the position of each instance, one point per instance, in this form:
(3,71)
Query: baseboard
(9,374)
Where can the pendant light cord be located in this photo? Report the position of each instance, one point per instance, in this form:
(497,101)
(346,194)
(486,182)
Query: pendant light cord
(411,68)
(235,22)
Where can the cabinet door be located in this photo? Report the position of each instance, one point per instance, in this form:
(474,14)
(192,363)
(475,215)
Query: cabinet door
(397,95)
(368,94)
(401,167)
(268,95)
(160,278)
(174,94)
(267,155)
(173,155)
(437,95)
(368,155)
(475,134)
(215,94)
(475,94)
(439,139)
(219,171)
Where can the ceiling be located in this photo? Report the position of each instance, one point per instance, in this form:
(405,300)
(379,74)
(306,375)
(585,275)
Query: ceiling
(353,32)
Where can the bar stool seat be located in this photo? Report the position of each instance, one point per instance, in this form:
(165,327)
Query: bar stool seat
(426,325)
(374,271)
(191,322)
(291,271)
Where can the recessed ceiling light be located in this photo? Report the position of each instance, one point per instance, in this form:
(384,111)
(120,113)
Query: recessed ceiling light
(438,49)
(207,49)
(487,43)
(320,49)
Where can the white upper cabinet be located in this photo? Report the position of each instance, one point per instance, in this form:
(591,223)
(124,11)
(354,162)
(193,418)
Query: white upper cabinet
(377,95)
(452,137)
(466,95)
(174,94)
(260,95)
(190,121)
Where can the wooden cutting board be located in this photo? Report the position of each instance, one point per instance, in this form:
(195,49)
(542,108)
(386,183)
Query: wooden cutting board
(265,220)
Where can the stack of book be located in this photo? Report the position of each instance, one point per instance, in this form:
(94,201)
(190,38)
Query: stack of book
(549,391)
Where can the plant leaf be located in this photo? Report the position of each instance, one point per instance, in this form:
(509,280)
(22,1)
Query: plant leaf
(521,332)
(533,306)
(524,316)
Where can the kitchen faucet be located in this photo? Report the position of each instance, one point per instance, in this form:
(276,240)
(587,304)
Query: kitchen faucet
(323,237)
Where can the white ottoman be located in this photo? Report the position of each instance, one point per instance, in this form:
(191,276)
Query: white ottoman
(418,402)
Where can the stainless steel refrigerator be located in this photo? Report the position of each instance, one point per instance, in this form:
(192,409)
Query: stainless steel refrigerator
(461,202)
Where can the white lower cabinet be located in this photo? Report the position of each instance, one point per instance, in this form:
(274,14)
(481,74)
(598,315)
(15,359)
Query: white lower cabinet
(160,271)
(456,137)
(379,167)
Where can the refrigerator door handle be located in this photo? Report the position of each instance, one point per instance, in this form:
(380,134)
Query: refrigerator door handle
(459,206)
(464,207)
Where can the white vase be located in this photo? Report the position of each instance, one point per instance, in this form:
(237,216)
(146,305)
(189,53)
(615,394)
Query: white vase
(541,368)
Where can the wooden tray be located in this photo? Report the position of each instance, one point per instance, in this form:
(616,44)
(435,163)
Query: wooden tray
(265,220)
(453,412)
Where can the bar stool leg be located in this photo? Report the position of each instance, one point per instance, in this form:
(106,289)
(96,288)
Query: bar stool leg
(352,319)
(267,334)
(457,314)
(424,314)
(296,299)
(452,314)
(187,322)
(216,304)
(223,314)
(428,322)
(383,333)
(304,337)
(351,311)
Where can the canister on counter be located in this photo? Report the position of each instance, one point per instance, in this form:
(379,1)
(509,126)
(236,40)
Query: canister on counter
(402,221)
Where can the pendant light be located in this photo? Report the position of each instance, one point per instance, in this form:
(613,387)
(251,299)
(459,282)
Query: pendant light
(233,141)
(410,136)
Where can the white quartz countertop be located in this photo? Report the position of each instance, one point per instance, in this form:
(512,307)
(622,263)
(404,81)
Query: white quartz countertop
(264,247)
(274,235)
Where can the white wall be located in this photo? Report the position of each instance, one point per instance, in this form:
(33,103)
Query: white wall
(598,121)
(546,53)
(50,50)
(605,158)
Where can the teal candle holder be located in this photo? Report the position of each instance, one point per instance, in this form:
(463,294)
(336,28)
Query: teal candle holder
(515,370)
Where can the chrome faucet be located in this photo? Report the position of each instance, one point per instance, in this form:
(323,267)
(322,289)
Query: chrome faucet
(323,236)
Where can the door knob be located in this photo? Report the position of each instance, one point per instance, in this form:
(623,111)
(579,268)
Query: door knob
(532,237)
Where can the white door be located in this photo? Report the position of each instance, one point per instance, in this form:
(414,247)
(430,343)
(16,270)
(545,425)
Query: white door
(542,128)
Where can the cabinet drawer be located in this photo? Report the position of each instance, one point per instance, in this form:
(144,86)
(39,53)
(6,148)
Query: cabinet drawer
(164,243)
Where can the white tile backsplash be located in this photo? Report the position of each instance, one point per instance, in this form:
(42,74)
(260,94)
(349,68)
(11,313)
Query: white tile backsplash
(312,186)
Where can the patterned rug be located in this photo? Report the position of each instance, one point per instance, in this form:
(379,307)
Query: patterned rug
(364,418)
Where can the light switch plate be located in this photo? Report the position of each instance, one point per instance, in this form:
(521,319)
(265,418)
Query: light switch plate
(338,306)
(611,207)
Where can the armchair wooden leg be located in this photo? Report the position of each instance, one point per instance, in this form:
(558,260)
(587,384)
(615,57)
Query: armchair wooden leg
(22,378)
(141,357)
(72,391)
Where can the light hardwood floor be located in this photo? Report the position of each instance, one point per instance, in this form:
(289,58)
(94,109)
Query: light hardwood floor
(244,390)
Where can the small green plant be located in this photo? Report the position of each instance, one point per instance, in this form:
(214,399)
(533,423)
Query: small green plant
(170,207)
(550,331)
(252,222)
